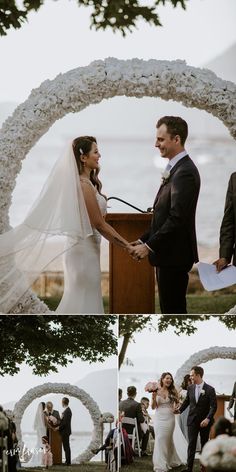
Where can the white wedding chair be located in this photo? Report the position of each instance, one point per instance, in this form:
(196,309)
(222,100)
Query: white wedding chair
(134,436)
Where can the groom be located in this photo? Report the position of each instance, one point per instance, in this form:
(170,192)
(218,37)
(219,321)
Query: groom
(202,402)
(65,429)
(171,242)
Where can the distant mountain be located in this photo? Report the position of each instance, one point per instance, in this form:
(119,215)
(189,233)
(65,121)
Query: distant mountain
(101,386)
(224,65)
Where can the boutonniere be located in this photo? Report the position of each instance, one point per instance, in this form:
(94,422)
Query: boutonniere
(165,176)
(202,392)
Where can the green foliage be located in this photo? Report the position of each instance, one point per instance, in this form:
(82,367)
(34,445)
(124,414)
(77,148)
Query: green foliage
(119,15)
(46,341)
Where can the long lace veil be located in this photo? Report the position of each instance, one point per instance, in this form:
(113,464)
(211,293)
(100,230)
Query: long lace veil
(59,210)
(39,425)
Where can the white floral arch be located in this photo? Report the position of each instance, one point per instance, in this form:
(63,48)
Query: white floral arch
(69,390)
(200,357)
(78,88)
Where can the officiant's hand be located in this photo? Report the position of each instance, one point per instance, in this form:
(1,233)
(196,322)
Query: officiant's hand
(221,264)
(205,423)
(140,251)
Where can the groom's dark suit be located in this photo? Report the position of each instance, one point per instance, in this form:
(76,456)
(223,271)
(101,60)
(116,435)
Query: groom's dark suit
(205,407)
(65,431)
(172,236)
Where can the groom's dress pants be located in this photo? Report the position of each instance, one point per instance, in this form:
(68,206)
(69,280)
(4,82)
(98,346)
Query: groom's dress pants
(193,431)
(66,447)
(172,287)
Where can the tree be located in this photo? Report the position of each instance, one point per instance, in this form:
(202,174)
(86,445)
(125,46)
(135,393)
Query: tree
(46,341)
(182,324)
(119,15)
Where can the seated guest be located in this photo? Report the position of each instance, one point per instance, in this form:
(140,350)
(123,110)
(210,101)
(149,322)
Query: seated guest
(145,405)
(132,409)
(218,454)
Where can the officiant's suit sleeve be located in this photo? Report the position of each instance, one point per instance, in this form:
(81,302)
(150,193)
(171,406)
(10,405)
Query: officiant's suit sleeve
(227,230)
(213,403)
(184,188)
(233,396)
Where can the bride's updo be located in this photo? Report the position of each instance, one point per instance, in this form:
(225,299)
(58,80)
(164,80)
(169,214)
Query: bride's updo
(83,145)
(172,392)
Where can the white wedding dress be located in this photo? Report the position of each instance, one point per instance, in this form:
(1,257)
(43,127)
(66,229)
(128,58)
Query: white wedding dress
(59,212)
(36,459)
(82,272)
(170,447)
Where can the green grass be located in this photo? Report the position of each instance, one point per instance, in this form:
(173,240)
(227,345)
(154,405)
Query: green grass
(144,464)
(212,303)
(90,467)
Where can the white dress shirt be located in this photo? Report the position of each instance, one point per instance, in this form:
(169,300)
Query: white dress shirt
(198,389)
(172,162)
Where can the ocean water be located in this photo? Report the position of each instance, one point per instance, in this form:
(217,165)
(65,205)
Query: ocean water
(132,170)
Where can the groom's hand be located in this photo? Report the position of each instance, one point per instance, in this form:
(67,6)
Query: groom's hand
(205,423)
(221,264)
(140,251)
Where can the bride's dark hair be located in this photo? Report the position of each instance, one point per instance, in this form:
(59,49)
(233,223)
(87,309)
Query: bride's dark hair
(172,392)
(84,144)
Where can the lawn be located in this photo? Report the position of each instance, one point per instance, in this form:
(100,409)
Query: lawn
(90,467)
(144,464)
(205,303)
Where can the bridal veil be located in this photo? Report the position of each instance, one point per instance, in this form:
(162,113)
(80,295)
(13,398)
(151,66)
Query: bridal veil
(59,211)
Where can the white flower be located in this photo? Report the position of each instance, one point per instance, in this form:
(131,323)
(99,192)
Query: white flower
(202,392)
(73,91)
(73,391)
(220,453)
(165,176)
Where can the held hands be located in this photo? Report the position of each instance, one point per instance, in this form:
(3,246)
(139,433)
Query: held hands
(221,264)
(205,423)
(138,250)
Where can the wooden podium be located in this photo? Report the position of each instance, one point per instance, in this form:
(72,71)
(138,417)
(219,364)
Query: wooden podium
(221,399)
(56,446)
(131,283)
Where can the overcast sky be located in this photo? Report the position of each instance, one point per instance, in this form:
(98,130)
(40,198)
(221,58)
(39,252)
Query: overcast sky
(156,346)
(58,38)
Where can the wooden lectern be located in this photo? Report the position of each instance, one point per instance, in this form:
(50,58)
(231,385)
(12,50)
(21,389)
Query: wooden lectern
(221,399)
(56,446)
(131,283)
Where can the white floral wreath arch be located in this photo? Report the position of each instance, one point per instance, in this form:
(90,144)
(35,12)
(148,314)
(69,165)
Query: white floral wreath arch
(200,357)
(73,391)
(78,88)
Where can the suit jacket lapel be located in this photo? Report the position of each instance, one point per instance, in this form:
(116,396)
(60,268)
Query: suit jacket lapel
(179,163)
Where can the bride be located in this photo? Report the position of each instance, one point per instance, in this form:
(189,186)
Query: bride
(39,426)
(170,447)
(71,205)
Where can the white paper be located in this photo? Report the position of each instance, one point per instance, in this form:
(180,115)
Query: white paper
(213,280)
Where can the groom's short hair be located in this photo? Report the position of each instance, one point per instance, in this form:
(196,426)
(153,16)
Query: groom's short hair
(131,391)
(175,126)
(65,400)
(198,370)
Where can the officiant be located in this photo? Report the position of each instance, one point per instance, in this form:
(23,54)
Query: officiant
(227,253)
(52,419)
